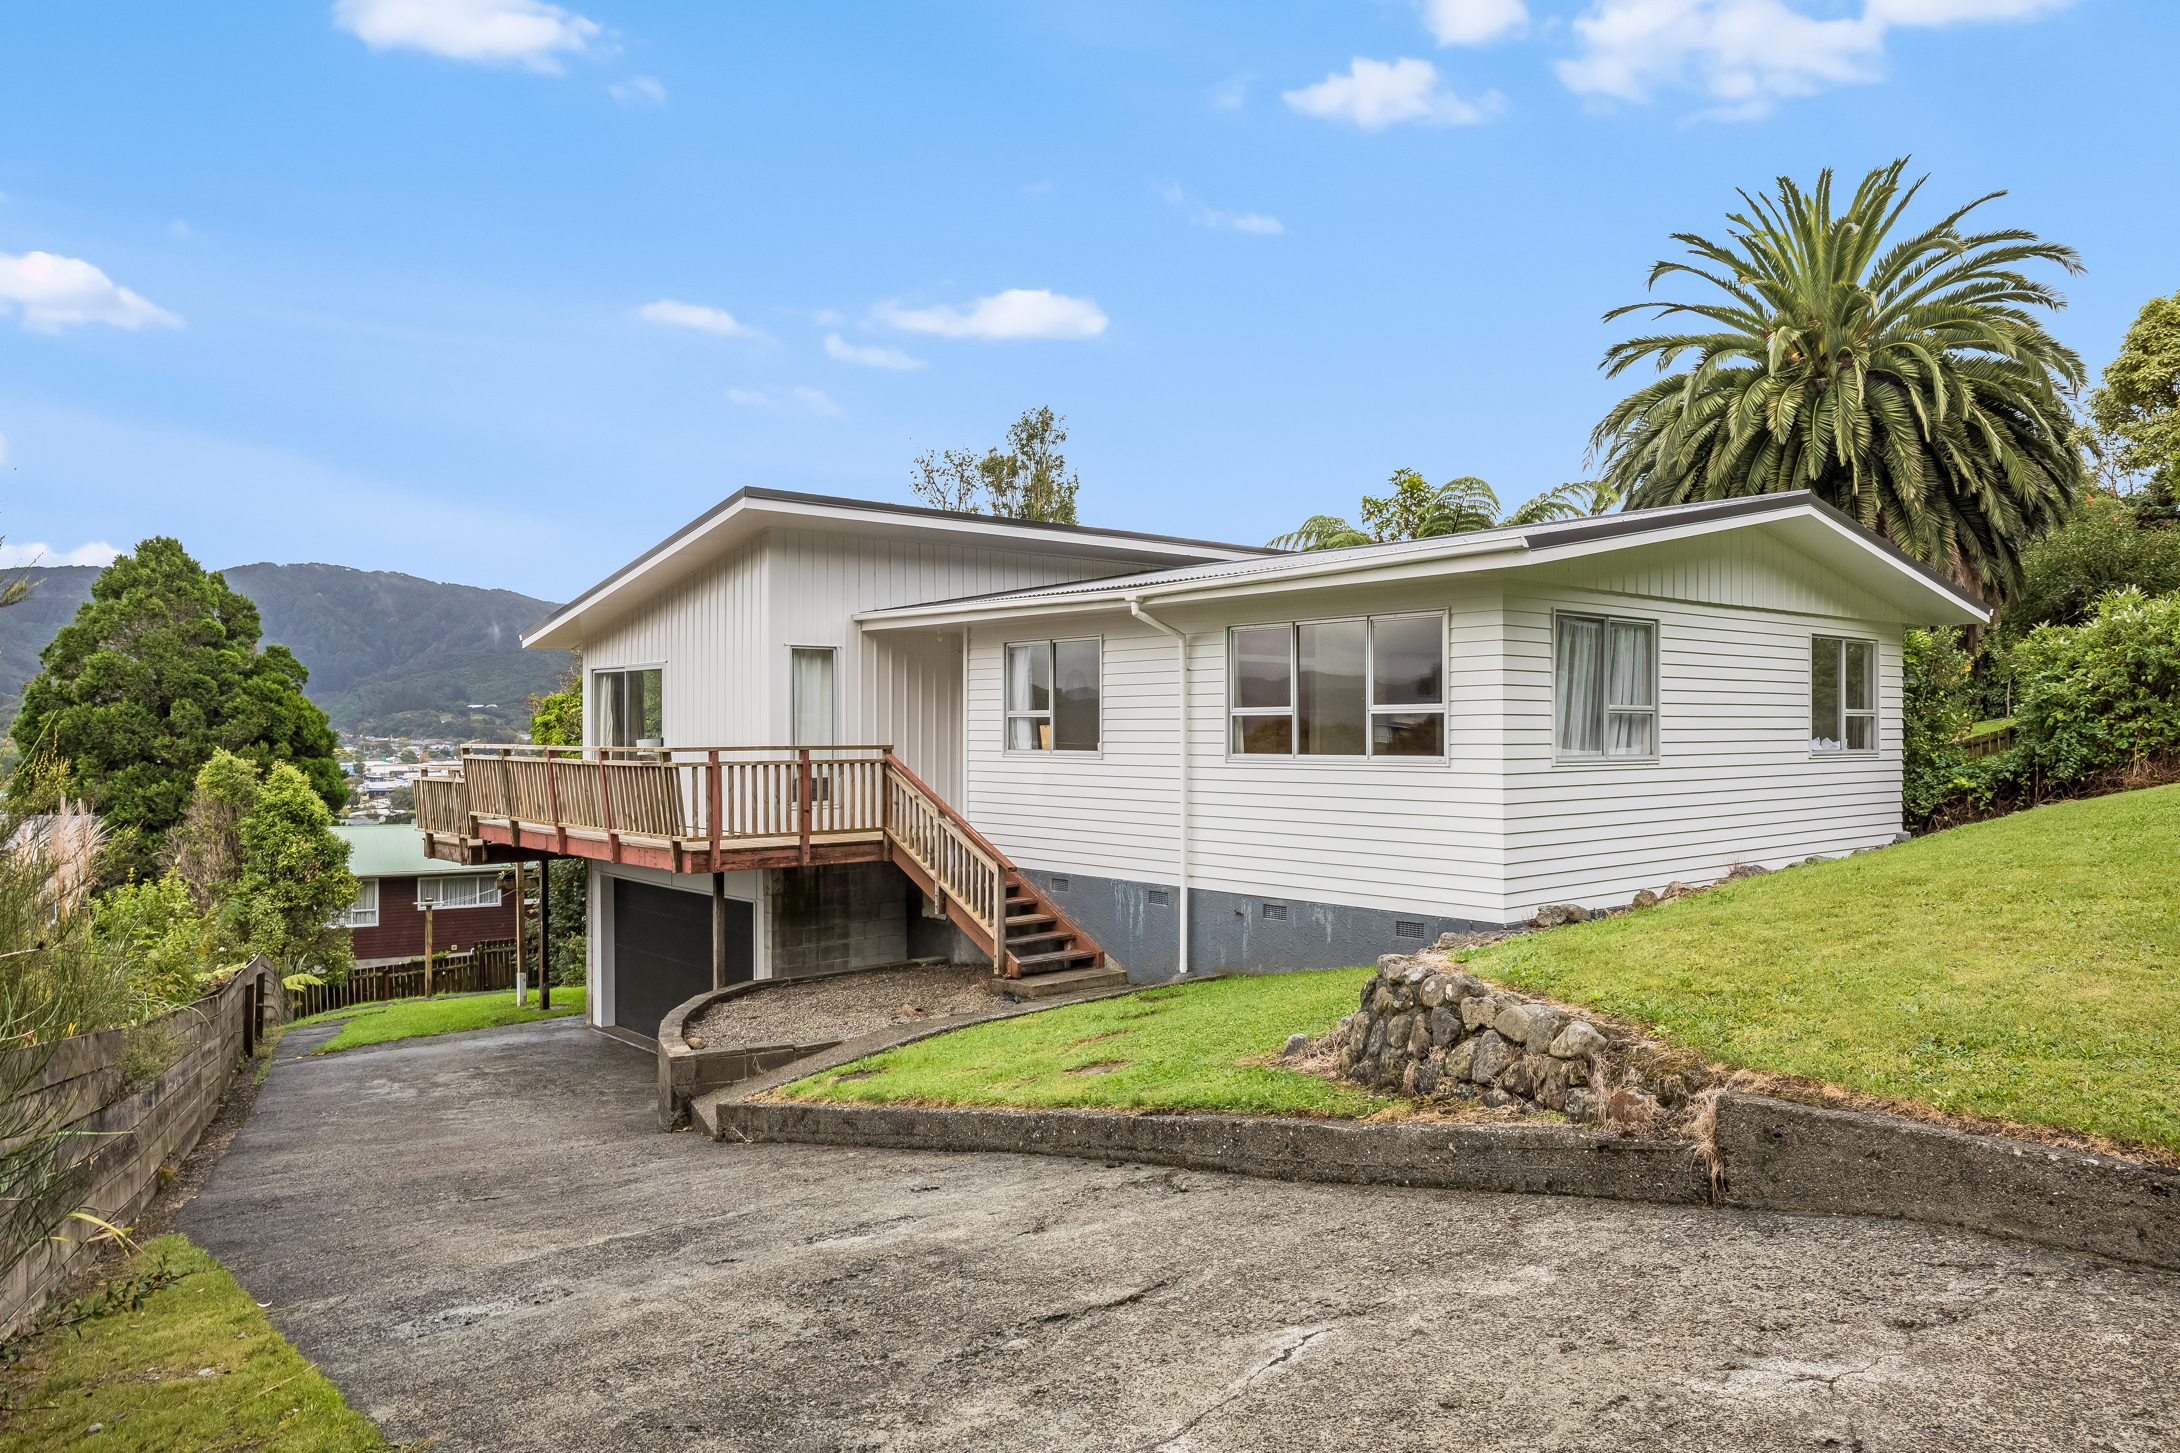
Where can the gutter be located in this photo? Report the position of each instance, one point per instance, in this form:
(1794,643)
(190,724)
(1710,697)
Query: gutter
(1180,641)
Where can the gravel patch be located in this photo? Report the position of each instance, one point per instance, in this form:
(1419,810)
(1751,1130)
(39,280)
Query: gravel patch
(843,1007)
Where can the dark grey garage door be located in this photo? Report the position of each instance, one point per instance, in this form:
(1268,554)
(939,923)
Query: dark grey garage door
(662,950)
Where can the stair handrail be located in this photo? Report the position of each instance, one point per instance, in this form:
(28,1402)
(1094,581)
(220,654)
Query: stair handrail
(945,810)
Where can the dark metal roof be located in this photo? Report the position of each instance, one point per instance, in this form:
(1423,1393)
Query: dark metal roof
(782,496)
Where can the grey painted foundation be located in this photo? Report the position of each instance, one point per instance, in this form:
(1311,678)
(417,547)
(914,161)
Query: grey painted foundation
(1138,926)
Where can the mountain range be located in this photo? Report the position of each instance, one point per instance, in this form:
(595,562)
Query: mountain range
(389,654)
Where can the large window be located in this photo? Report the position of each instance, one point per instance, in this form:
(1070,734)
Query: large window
(1052,696)
(363,913)
(1369,687)
(458,892)
(1605,687)
(630,713)
(1842,695)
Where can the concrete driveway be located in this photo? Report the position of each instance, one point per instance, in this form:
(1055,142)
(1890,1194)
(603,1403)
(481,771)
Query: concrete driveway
(482,1239)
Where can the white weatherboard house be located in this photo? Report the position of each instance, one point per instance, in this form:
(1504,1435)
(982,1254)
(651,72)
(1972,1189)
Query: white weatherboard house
(1335,753)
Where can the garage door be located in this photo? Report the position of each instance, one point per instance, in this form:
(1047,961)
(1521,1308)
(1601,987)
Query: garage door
(662,950)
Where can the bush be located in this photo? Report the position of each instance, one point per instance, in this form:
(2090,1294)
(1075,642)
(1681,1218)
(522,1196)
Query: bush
(2103,548)
(1937,710)
(2105,694)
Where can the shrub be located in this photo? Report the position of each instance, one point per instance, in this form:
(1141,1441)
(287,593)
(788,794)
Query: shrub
(2103,548)
(1937,710)
(2104,694)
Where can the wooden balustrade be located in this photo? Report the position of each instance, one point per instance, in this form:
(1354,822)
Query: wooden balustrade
(959,863)
(442,805)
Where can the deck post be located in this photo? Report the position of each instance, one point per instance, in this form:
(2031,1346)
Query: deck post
(544,937)
(552,794)
(802,792)
(427,950)
(522,931)
(712,806)
(719,931)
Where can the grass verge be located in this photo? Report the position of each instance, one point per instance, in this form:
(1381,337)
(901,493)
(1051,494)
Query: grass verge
(1168,1048)
(419,1018)
(140,1377)
(2023,970)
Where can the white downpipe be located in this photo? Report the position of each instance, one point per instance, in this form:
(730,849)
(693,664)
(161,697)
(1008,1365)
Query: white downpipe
(1180,641)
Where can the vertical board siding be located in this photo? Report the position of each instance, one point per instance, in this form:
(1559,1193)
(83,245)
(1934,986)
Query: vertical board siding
(722,638)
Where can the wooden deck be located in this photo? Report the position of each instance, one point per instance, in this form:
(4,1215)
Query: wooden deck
(728,809)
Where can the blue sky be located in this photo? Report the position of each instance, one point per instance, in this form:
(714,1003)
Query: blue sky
(501,291)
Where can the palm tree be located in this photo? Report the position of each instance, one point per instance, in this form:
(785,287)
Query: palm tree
(1906,385)
(1416,511)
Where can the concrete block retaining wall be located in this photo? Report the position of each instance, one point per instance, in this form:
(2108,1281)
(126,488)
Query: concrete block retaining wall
(127,1138)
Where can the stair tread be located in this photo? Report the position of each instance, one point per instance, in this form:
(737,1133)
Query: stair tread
(1080,953)
(1067,981)
(1027,918)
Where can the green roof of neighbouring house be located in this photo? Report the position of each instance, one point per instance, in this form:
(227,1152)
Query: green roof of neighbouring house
(389,850)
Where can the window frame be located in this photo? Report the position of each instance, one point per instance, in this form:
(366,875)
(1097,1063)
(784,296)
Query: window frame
(487,896)
(1875,711)
(1563,758)
(1371,708)
(1007,714)
(350,916)
(595,704)
(834,652)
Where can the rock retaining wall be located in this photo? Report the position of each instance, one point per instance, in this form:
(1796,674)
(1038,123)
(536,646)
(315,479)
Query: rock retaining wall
(1429,1031)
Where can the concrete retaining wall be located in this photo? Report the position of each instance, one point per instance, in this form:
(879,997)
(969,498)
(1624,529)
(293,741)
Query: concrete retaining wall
(1776,1157)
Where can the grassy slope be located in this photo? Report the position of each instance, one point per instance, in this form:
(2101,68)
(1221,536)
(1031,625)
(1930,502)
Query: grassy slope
(136,1372)
(2026,968)
(417,1018)
(1175,1047)
(2023,969)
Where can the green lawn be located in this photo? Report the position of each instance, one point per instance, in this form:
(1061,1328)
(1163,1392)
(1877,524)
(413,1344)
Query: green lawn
(2026,968)
(1165,1048)
(2023,969)
(141,1375)
(416,1018)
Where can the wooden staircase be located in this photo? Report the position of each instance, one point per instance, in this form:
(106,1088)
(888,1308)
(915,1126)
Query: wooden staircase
(1046,953)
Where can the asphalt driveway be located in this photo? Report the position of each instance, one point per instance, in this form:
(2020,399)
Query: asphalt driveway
(481,1238)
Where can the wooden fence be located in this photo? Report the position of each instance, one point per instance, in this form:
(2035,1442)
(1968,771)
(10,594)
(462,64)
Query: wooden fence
(490,965)
(126,1137)
(1989,743)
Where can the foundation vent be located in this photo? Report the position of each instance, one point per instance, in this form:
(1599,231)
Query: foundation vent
(1160,898)
(1407,928)
(1277,912)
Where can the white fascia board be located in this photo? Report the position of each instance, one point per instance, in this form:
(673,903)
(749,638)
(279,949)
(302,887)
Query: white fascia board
(1115,594)
(752,513)
(1849,551)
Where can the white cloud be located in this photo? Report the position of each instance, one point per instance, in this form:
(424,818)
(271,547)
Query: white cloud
(638,90)
(1472,22)
(1747,55)
(3,451)
(1374,95)
(694,315)
(37,552)
(871,357)
(181,231)
(57,291)
(527,33)
(809,398)
(1229,95)
(830,318)
(1256,223)
(1015,313)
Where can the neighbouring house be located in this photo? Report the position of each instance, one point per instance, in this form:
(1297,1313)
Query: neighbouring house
(828,733)
(397,879)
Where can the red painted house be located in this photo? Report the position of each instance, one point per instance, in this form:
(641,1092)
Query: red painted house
(468,906)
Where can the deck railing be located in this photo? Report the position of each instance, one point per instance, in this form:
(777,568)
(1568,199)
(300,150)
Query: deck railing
(720,798)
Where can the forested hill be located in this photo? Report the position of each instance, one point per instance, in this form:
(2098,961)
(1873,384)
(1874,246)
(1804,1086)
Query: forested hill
(389,654)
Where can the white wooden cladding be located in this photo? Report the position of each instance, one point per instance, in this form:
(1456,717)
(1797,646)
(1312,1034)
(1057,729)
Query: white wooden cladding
(1499,827)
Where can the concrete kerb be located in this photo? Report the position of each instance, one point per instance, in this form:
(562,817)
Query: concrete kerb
(686,1075)
(1776,1156)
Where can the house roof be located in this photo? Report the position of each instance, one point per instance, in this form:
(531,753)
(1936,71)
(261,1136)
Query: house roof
(384,850)
(1799,517)
(747,512)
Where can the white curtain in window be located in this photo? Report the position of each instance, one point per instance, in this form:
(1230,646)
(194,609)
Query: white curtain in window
(1629,682)
(811,698)
(1580,685)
